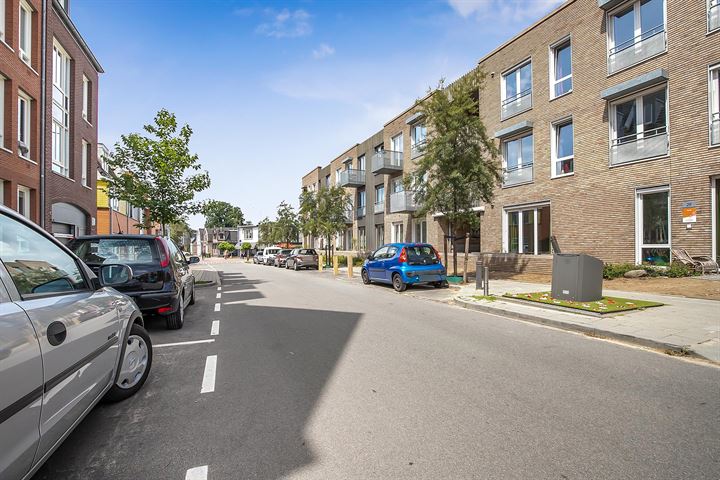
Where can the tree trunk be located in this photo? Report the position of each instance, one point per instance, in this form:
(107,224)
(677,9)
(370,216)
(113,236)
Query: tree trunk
(465,262)
(445,251)
(454,250)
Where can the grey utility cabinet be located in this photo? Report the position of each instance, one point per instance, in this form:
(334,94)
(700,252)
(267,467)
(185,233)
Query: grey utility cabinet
(577,277)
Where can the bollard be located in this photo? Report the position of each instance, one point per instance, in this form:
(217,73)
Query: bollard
(336,265)
(321,262)
(486,281)
(350,266)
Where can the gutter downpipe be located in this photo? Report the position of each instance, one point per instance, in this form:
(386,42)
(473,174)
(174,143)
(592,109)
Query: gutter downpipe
(43,110)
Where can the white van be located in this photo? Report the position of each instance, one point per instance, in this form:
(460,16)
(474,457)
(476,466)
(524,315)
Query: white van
(269,255)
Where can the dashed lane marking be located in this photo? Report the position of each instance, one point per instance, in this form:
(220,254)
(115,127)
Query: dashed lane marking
(215,328)
(197,473)
(208,383)
(217,307)
(191,342)
(218,295)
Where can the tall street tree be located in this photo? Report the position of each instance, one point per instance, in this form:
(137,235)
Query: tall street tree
(460,167)
(332,206)
(307,214)
(156,171)
(219,214)
(286,225)
(180,233)
(266,232)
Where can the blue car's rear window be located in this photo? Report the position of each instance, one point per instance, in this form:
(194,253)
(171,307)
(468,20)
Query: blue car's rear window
(421,255)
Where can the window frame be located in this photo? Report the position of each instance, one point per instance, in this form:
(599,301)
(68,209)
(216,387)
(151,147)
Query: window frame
(393,233)
(521,165)
(710,6)
(25,125)
(639,226)
(503,88)
(3,20)
(637,96)
(61,165)
(637,31)
(85,157)
(401,143)
(25,55)
(553,66)
(713,100)
(86,98)
(519,209)
(554,146)
(26,201)
(2,109)
(380,197)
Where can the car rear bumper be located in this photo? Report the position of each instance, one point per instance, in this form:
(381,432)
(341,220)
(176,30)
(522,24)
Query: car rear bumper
(150,303)
(412,277)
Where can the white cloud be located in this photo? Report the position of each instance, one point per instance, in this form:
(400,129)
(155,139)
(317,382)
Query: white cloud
(286,24)
(324,50)
(503,10)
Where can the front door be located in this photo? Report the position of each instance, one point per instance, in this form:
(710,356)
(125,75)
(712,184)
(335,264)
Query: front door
(77,327)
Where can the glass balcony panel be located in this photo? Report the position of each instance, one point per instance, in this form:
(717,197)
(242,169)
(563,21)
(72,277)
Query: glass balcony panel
(387,161)
(637,49)
(648,146)
(517,104)
(352,178)
(402,202)
(517,175)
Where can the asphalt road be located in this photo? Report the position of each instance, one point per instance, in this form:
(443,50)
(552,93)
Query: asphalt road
(328,379)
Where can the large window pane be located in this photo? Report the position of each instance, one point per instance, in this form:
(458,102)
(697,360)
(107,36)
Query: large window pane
(651,17)
(527,150)
(513,232)
(563,61)
(511,85)
(528,232)
(654,112)
(626,121)
(543,229)
(565,140)
(624,28)
(512,151)
(655,218)
(525,78)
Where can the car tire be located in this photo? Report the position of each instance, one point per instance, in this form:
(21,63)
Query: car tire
(138,356)
(175,320)
(398,283)
(295,267)
(437,284)
(365,277)
(192,295)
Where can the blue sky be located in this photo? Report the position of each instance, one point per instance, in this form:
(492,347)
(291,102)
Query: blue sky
(273,89)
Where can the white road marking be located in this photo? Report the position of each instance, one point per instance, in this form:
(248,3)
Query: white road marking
(218,295)
(219,288)
(192,342)
(208,383)
(197,473)
(237,291)
(217,307)
(215,329)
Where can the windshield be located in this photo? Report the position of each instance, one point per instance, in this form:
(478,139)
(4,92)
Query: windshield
(129,251)
(421,255)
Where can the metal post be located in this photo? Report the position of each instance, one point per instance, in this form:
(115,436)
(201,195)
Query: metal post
(350,266)
(486,281)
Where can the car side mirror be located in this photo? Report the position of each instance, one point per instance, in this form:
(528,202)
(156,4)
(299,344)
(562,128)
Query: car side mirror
(114,275)
(370,256)
(193,259)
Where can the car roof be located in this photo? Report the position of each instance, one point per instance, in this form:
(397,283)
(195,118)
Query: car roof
(118,236)
(407,244)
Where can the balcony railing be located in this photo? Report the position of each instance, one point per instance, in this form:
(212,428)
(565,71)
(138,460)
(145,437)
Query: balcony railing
(518,174)
(653,143)
(418,149)
(516,104)
(402,202)
(360,211)
(715,130)
(379,207)
(387,161)
(637,49)
(352,178)
(714,15)
(349,215)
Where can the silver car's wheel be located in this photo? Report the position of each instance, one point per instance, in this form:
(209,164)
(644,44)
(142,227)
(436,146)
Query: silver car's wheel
(134,362)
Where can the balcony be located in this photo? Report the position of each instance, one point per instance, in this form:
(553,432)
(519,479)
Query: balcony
(352,178)
(360,211)
(715,130)
(349,215)
(379,207)
(637,49)
(653,143)
(714,15)
(418,149)
(518,174)
(517,104)
(387,161)
(402,202)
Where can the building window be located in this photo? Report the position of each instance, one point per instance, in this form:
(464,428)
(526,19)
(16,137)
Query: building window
(361,163)
(562,148)
(23,201)
(2,20)
(636,33)
(86,90)
(713,15)
(361,204)
(397,185)
(362,238)
(327,181)
(420,232)
(380,199)
(639,127)
(2,187)
(715,105)
(527,230)
(25,32)
(61,112)
(652,226)
(2,109)
(24,130)
(84,166)
(561,68)
(418,138)
(516,90)
(518,161)
(398,232)
(379,235)
(338,171)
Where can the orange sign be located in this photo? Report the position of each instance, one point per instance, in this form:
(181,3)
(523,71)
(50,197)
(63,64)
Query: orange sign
(689,214)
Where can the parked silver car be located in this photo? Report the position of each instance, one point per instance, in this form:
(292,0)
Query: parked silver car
(67,340)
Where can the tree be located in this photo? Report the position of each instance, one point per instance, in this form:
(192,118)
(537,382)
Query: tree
(266,232)
(155,171)
(245,248)
(460,166)
(332,206)
(226,247)
(219,214)
(180,233)
(286,226)
(307,214)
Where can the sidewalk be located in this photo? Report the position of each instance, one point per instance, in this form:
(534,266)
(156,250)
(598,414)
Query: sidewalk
(682,323)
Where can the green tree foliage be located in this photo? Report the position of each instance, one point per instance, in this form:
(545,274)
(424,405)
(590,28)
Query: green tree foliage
(157,171)
(226,247)
(307,214)
(323,213)
(286,227)
(180,233)
(266,232)
(219,214)
(460,167)
(245,246)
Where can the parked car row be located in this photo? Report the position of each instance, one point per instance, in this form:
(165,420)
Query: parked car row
(296,258)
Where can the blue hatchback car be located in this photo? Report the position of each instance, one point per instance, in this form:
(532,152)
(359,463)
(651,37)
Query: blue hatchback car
(403,264)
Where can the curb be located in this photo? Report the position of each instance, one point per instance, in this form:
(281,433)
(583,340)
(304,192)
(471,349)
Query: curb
(680,350)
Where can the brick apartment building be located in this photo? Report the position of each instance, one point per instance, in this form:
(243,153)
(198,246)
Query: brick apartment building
(49,117)
(614,151)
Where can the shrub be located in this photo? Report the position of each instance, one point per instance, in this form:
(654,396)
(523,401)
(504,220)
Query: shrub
(677,270)
(617,270)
